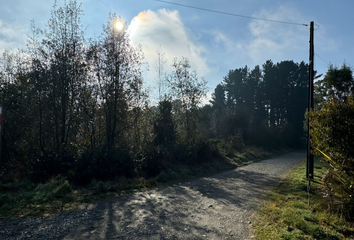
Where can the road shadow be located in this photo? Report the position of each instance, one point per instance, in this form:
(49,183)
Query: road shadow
(215,207)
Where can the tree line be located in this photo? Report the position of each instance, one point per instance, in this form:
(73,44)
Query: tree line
(266,104)
(78,107)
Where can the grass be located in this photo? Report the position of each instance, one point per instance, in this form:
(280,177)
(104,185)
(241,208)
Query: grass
(24,199)
(285,214)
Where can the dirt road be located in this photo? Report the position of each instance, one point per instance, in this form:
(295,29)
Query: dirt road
(215,207)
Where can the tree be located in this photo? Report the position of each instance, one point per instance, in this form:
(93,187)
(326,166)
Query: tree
(234,84)
(164,126)
(62,54)
(189,91)
(71,106)
(13,64)
(117,66)
(296,104)
(160,78)
(218,97)
(49,89)
(271,99)
(251,88)
(337,83)
(19,132)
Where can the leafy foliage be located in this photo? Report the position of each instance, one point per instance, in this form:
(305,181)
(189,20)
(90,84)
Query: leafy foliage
(332,132)
(338,83)
(187,91)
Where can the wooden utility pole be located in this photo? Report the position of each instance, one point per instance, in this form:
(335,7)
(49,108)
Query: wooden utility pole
(310,159)
(1,129)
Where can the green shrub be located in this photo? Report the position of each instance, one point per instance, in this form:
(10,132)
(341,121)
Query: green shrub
(103,165)
(57,187)
(63,190)
(98,187)
(236,141)
(332,132)
(204,151)
(156,161)
(5,199)
(166,176)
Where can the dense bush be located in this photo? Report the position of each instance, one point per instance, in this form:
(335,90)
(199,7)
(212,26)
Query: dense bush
(103,165)
(332,132)
(155,161)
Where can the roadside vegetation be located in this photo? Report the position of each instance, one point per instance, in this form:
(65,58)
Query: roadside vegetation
(27,198)
(285,214)
(79,121)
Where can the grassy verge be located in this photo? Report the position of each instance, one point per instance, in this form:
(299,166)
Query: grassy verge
(28,199)
(285,214)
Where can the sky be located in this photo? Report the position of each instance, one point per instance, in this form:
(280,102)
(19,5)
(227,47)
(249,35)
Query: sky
(214,43)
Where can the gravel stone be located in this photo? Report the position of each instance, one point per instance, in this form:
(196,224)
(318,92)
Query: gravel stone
(214,207)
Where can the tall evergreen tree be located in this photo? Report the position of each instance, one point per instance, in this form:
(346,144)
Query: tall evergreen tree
(218,98)
(234,83)
(270,87)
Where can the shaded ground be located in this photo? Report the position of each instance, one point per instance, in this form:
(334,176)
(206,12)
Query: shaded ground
(215,207)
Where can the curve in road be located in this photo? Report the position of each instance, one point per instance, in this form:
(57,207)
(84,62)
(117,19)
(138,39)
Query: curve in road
(215,207)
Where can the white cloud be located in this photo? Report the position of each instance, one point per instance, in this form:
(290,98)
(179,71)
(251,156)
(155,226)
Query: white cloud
(284,41)
(15,21)
(12,36)
(206,99)
(325,43)
(165,29)
(230,45)
(278,41)
(268,40)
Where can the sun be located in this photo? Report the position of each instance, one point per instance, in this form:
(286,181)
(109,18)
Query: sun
(119,26)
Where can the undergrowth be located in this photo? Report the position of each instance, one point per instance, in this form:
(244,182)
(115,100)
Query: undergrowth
(285,214)
(26,198)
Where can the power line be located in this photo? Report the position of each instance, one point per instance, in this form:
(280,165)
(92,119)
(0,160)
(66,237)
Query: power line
(321,58)
(231,14)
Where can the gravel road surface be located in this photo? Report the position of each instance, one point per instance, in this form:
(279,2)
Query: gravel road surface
(215,207)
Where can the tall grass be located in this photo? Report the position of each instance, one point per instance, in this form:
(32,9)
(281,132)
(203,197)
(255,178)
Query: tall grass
(23,198)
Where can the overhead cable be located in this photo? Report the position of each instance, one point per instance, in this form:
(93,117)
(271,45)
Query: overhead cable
(231,14)
(321,58)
